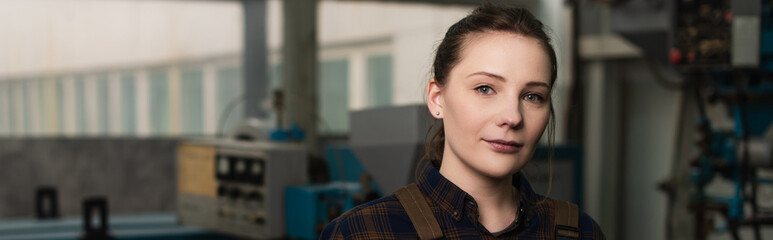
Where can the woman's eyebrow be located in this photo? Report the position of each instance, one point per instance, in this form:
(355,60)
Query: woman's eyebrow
(488,74)
(538,84)
(501,78)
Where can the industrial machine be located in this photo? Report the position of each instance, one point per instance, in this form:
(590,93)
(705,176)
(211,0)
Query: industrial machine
(311,207)
(698,35)
(739,155)
(724,51)
(236,187)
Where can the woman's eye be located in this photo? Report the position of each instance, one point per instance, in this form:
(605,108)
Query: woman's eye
(533,98)
(484,90)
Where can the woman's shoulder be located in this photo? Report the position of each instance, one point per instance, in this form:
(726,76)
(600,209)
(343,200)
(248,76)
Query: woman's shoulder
(377,218)
(589,228)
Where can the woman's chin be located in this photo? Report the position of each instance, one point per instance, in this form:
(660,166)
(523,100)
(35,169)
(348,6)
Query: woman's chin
(492,165)
(499,170)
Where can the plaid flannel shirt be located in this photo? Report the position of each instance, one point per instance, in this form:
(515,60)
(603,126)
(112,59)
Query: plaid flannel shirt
(455,211)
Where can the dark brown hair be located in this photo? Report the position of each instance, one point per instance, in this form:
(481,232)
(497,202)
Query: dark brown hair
(487,18)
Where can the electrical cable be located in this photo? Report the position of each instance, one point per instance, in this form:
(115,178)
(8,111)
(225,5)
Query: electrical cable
(246,96)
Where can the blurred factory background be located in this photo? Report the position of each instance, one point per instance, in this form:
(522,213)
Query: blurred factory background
(256,119)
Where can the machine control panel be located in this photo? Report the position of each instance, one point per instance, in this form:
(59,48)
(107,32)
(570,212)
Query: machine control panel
(243,190)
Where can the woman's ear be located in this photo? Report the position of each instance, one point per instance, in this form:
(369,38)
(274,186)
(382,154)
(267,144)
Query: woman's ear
(434,99)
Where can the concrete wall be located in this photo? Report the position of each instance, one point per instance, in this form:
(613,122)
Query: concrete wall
(136,175)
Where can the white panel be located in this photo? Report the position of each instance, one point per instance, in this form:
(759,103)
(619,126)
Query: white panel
(210,98)
(357,81)
(142,101)
(174,100)
(745,50)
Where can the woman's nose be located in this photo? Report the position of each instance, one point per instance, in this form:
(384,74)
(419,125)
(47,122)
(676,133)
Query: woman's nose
(510,116)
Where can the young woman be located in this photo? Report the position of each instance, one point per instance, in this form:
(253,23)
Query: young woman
(493,76)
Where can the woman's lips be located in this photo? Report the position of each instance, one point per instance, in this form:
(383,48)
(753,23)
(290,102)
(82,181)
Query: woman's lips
(504,146)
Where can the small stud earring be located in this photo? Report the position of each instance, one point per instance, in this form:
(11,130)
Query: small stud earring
(437,113)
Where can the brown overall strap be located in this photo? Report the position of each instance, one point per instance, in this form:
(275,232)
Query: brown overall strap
(418,210)
(567,218)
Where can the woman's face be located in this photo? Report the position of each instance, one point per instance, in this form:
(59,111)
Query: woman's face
(495,103)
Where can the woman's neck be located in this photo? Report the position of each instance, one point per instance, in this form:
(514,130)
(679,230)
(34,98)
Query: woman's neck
(495,197)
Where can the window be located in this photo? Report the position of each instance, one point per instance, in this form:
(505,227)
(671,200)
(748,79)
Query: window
(80,105)
(29,122)
(4,112)
(159,101)
(128,104)
(379,80)
(16,104)
(229,90)
(333,95)
(42,109)
(103,103)
(192,103)
(60,103)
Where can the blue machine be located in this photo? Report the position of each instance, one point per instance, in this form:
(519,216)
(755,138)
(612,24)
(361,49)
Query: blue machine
(744,85)
(723,152)
(310,207)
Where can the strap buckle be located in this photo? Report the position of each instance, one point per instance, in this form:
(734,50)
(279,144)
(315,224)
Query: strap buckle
(564,232)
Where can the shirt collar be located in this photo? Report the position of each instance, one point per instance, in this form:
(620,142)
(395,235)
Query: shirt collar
(450,198)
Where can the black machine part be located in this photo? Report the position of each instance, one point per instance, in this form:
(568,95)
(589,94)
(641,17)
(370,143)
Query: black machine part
(95,216)
(46,203)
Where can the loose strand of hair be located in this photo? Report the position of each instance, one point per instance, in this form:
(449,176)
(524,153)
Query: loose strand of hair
(432,147)
(551,148)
